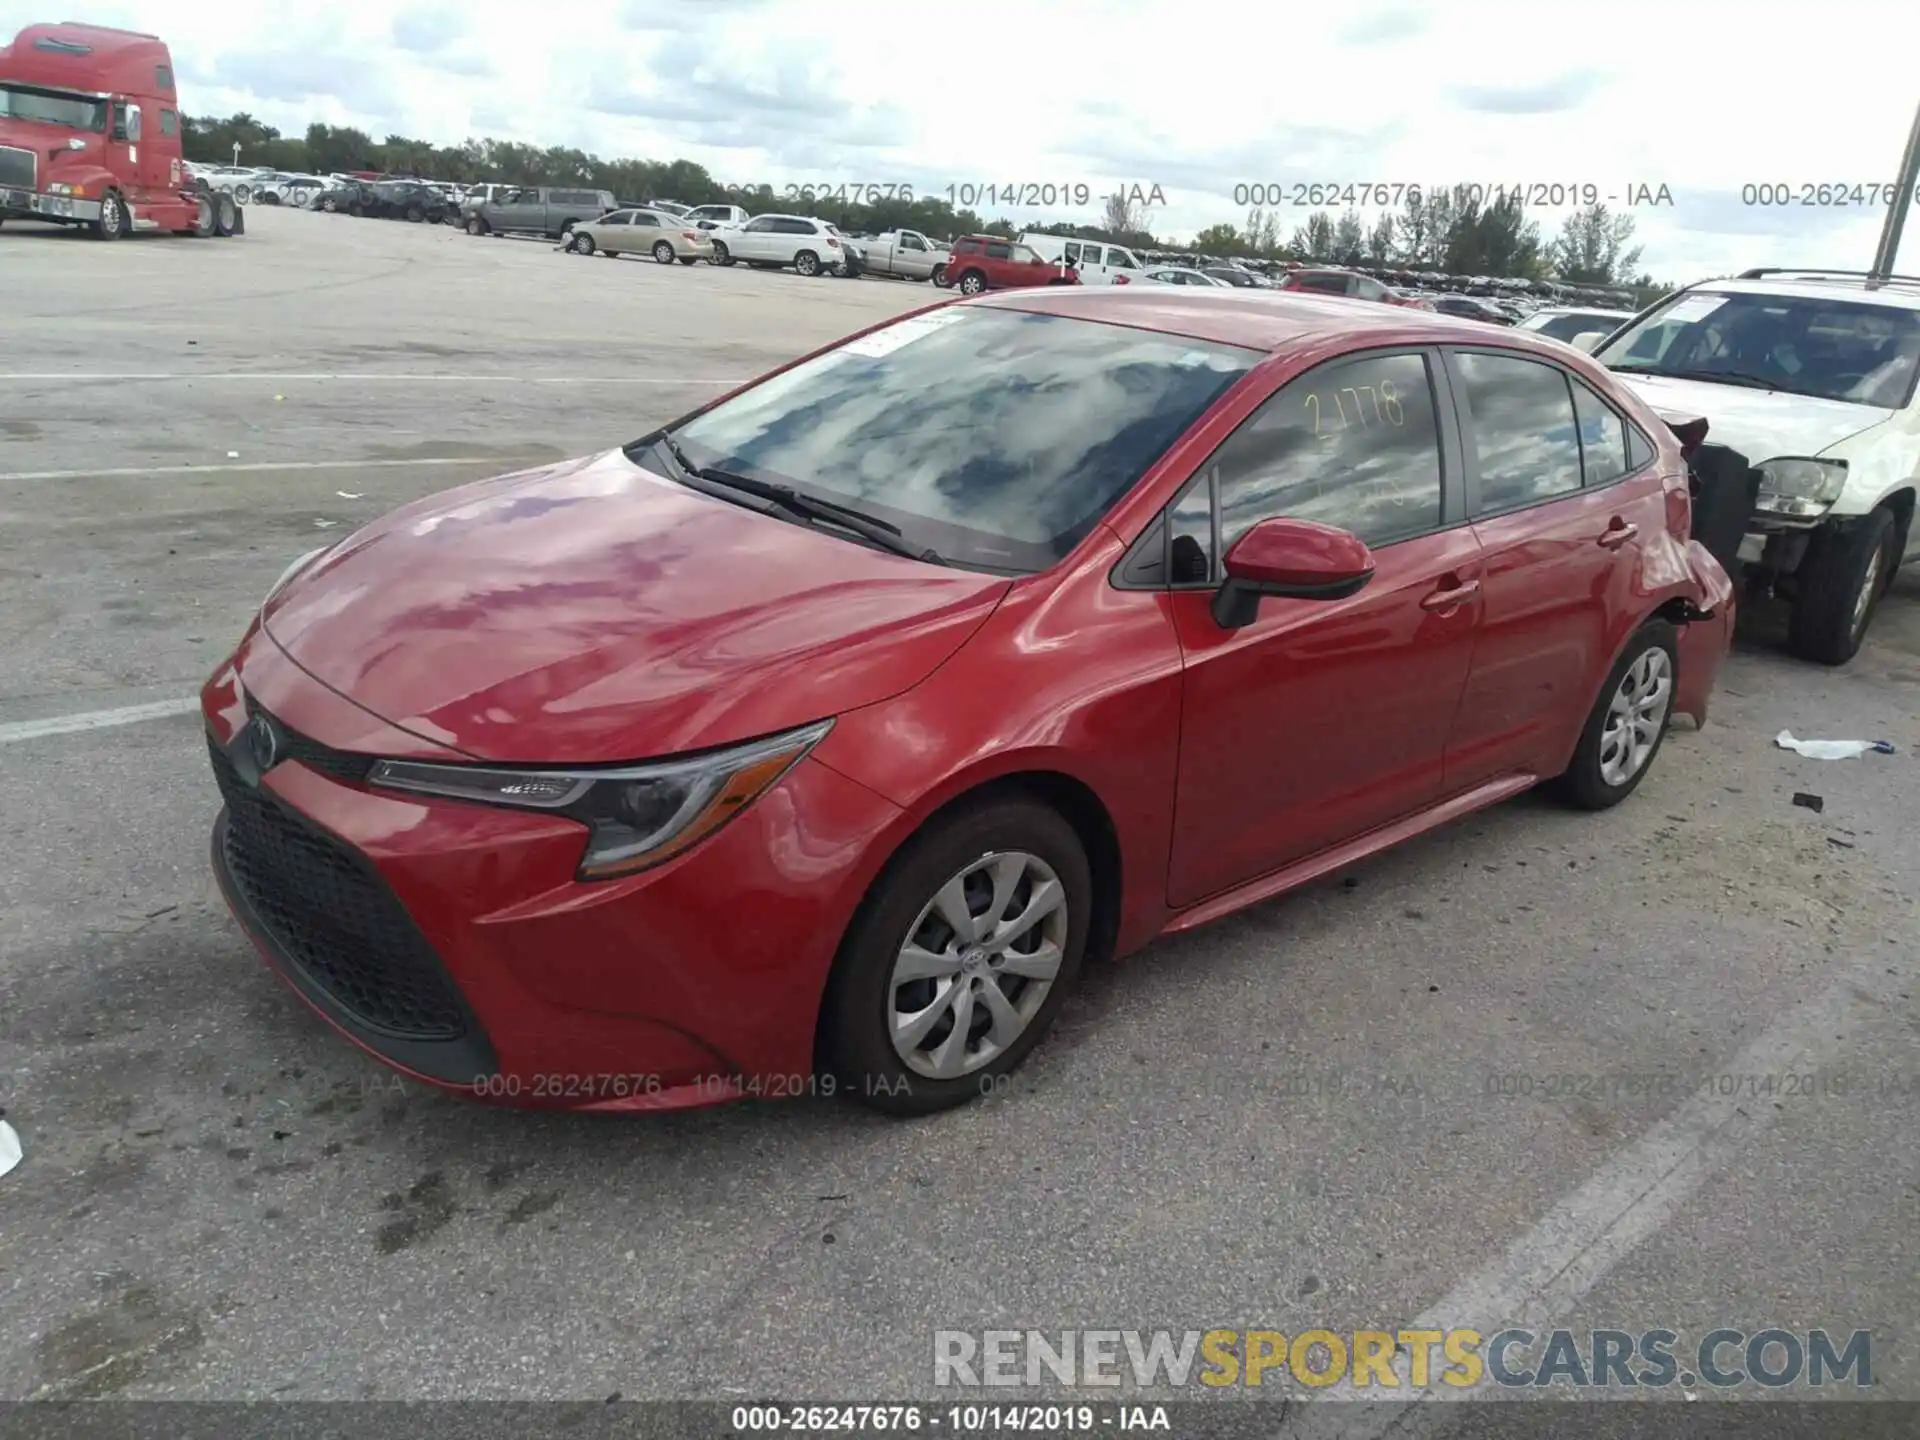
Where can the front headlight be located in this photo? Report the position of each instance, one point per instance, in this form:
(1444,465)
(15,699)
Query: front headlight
(636,816)
(1798,489)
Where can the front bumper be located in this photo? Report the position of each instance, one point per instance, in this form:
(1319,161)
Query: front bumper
(452,941)
(31,204)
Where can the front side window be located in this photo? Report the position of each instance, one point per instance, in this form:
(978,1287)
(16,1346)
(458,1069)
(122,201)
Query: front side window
(1352,443)
(1118,259)
(53,107)
(1828,347)
(995,437)
(1000,250)
(1523,430)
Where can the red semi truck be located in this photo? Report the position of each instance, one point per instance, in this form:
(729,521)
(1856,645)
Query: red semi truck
(90,135)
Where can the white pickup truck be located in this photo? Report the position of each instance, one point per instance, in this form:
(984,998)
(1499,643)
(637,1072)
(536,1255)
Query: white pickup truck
(907,255)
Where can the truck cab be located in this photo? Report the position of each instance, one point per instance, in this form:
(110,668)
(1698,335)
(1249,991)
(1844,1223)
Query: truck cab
(90,132)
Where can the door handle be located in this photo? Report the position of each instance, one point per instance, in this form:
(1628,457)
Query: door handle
(1617,534)
(1451,597)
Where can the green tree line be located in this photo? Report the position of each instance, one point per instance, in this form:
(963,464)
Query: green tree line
(1452,233)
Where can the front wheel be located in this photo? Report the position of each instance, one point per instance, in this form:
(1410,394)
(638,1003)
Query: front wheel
(112,223)
(1628,722)
(960,958)
(581,243)
(663,252)
(1841,581)
(972,283)
(476,226)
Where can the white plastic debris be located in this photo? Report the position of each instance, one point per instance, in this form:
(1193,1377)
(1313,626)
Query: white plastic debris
(233,454)
(325,524)
(347,495)
(1831,749)
(9,1147)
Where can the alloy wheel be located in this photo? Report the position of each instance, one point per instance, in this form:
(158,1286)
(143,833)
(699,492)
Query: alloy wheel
(977,965)
(1636,716)
(1869,584)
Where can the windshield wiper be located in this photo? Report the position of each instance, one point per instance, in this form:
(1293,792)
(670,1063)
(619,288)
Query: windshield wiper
(881,532)
(1716,377)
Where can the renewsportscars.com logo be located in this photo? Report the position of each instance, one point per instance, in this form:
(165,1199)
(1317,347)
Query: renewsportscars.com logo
(1318,1359)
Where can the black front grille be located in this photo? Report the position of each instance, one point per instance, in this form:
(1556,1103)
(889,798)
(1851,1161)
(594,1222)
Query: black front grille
(16,167)
(332,915)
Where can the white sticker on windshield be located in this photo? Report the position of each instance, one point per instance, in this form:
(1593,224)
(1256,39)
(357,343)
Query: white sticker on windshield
(1694,307)
(885,342)
(1193,358)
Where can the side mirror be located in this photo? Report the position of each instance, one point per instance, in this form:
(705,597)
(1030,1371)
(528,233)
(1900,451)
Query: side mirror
(1292,559)
(1589,340)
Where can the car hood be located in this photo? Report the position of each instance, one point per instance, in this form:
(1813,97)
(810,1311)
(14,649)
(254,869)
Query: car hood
(1761,424)
(592,612)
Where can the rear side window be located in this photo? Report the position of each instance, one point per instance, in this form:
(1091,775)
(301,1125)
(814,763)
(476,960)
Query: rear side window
(966,247)
(1000,251)
(1524,433)
(1331,284)
(1352,443)
(1603,438)
(1639,448)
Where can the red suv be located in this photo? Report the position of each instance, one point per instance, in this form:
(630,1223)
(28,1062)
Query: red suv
(1352,283)
(813,741)
(993,262)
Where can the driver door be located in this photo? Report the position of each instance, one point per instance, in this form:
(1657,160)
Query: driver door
(1322,720)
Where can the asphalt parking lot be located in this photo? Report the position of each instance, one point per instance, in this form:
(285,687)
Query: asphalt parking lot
(1291,1119)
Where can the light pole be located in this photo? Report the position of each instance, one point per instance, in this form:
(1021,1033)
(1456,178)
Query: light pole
(1903,196)
(236,154)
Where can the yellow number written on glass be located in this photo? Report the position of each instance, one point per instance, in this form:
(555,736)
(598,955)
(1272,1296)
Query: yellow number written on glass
(1372,405)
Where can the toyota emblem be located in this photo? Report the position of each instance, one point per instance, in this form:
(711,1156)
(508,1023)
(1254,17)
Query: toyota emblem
(263,743)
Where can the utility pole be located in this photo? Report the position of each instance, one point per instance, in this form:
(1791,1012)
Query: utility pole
(236,153)
(1903,197)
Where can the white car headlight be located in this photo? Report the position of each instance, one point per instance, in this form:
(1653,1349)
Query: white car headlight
(1800,489)
(637,816)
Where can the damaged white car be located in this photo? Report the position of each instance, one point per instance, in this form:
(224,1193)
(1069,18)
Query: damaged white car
(1807,379)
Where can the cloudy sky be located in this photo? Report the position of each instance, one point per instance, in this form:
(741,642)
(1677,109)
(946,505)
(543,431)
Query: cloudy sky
(1200,101)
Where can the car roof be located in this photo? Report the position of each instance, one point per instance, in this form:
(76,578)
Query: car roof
(1270,320)
(1905,296)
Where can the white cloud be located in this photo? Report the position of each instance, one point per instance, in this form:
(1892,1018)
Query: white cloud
(1703,97)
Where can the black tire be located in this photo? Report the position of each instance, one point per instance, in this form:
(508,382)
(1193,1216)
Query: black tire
(972,283)
(939,276)
(415,214)
(581,243)
(855,1041)
(330,205)
(689,259)
(204,216)
(114,220)
(476,226)
(1841,580)
(807,263)
(721,255)
(1584,784)
(224,213)
(663,252)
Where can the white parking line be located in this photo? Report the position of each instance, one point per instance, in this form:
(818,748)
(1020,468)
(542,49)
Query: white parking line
(228,469)
(96,719)
(41,377)
(1543,1276)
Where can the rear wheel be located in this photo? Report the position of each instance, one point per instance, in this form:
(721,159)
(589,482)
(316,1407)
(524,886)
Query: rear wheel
(1628,722)
(960,958)
(476,226)
(415,214)
(940,276)
(807,263)
(721,255)
(225,214)
(1840,583)
(663,252)
(203,215)
(243,193)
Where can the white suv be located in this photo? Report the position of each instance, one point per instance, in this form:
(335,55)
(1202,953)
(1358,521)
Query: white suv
(1810,375)
(805,243)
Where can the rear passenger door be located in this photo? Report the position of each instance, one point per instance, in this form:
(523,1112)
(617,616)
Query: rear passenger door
(1561,489)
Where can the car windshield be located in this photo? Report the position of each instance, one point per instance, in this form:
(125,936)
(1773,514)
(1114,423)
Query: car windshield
(1830,348)
(53,107)
(996,438)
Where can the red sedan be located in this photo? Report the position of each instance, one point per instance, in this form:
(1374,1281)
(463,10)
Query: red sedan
(815,741)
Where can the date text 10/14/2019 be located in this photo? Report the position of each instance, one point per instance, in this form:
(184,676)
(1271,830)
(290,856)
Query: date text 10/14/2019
(1527,194)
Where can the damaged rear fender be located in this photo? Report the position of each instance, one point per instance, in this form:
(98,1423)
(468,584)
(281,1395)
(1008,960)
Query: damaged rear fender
(1704,615)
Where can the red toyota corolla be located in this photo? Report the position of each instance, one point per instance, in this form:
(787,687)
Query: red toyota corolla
(816,740)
